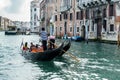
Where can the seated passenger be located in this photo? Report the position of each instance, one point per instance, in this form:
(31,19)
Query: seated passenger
(37,49)
(25,47)
(51,42)
(32,46)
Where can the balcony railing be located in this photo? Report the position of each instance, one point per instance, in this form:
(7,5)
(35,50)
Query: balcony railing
(65,8)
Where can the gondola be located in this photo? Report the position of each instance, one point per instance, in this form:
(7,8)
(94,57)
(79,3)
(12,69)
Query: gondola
(48,55)
(66,47)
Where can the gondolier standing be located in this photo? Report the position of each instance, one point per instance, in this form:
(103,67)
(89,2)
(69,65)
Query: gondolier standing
(44,38)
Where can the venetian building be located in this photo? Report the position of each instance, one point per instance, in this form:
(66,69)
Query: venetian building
(6,23)
(1,23)
(43,14)
(61,15)
(34,16)
(101,19)
(68,19)
(47,9)
(92,19)
(64,17)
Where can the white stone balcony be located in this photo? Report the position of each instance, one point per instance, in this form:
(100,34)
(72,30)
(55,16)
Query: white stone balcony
(65,8)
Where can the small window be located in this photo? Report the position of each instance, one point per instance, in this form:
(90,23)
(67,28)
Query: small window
(65,16)
(34,16)
(34,23)
(35,9)
(60,17)
(111,10)
(88,28)
(77,15)
(87,14)
(92,27)
(81,15)
(111,27)
(31,23)
(70,16)
(105,24)
(55,17)
(60,28)
(70,29)
(77,29)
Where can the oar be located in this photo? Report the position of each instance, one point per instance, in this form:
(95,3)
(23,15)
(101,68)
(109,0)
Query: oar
(21,43)
(70,54)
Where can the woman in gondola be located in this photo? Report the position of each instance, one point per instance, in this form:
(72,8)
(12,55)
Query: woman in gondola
(51,42)
(25,47)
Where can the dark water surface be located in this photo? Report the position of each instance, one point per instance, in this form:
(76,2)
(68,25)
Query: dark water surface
(98,61)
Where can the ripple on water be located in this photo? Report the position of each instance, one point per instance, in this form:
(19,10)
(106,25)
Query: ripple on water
(98,61)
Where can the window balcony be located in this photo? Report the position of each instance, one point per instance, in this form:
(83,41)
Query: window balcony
(65,8)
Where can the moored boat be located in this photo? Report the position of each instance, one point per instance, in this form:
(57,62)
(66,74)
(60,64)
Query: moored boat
(47,55)
(10,32)
(27,32)
(77,38)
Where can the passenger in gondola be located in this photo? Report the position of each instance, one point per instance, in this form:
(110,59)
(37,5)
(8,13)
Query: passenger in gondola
(36,49)
(25,47)
(51,42)
(31,46)
(39,48)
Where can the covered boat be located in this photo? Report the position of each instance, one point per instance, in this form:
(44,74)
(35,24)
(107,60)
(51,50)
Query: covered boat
(12,30)
(43,56)
(66,47)
(77,38)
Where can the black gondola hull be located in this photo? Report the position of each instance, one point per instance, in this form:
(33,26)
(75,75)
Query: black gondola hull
(65,47)
(43,56)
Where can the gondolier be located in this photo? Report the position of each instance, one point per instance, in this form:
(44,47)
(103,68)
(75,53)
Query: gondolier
(44,38)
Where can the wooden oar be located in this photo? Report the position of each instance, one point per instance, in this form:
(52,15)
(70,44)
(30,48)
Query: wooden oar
(70,54)
(21,43)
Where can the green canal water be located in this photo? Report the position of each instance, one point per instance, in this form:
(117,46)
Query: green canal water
(98,61)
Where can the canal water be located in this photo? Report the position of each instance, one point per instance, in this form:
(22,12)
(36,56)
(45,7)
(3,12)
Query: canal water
(98,61)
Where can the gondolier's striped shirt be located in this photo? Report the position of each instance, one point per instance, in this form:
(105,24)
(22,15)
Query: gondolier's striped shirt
(44,35)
